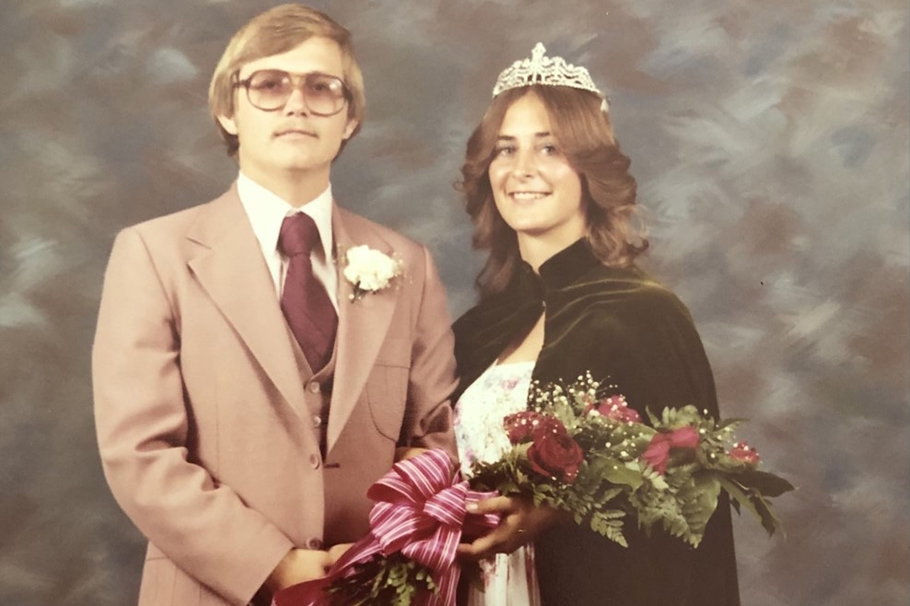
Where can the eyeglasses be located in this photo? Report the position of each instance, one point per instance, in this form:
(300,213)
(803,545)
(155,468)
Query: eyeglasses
(270,89)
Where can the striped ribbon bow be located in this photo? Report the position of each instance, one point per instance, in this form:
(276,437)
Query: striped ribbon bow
(420,512)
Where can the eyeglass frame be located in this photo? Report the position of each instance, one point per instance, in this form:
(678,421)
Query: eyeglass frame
(245,83)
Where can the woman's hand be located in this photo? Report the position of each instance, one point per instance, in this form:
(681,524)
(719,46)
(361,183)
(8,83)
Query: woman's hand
(520,523)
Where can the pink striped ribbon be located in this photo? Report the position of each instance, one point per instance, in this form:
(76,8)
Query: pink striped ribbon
(420,512)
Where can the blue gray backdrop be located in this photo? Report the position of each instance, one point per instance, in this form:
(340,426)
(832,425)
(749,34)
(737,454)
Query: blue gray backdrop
(770,142)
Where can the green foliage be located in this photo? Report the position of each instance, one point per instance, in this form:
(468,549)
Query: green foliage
(698,499)
(753,500)
(609,524)
(383,581)
(763,482)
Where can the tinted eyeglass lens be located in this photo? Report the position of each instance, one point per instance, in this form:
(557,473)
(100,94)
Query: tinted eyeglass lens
(324,94)
(271,89)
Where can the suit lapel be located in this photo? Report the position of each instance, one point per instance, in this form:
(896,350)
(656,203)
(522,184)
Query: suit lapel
(362,324)
(231,269)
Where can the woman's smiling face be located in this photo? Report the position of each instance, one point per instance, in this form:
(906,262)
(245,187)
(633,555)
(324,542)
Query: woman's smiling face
(536,190)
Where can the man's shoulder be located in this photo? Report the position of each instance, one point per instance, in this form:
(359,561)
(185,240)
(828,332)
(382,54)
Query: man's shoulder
(171,223)
(178,223)
(358,225)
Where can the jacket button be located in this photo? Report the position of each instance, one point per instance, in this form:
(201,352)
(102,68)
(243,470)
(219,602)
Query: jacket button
(314,461)
(313,544)
(314,386)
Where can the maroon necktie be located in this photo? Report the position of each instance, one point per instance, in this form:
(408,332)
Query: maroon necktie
(305,303)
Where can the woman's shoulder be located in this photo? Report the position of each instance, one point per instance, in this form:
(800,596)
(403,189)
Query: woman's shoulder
(471,320)
(489,309)
(633,290)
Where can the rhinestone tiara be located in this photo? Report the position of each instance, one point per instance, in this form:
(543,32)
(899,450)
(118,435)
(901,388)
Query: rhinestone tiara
(547,71)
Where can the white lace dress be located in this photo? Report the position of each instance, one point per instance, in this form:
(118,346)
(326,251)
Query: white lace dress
(509,579)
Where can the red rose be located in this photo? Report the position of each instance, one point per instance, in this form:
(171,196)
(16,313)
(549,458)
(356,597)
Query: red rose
(658,452)
(554,453)
(741,451)
(545,425)
(615,407)
(520,425)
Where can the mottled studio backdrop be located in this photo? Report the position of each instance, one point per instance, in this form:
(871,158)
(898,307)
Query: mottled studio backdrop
(770,142)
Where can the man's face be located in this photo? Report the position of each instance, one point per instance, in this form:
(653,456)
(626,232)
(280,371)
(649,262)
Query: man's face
(290,141)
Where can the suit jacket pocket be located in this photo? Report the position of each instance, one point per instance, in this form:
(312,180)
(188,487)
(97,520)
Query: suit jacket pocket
(387,390)
(395,351)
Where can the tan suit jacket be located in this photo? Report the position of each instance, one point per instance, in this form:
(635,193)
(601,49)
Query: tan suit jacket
(203,411)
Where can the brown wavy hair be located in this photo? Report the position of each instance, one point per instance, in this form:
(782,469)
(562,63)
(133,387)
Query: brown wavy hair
(278,30)
(586,137)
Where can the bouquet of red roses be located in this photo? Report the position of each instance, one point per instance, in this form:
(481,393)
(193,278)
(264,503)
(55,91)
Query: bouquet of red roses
(592,456)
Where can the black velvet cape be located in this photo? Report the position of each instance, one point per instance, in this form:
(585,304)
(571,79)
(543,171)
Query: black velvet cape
(630,331)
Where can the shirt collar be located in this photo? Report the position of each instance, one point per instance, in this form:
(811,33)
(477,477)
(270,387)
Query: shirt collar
(267,210)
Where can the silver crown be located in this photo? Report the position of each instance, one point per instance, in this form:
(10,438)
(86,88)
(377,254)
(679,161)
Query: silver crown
(546,71)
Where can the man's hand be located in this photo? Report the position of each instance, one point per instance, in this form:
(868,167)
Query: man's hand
(299,566)
(336,551)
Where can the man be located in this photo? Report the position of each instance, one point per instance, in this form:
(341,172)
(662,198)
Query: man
(247,393)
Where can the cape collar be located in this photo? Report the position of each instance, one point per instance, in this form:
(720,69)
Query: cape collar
(559,271)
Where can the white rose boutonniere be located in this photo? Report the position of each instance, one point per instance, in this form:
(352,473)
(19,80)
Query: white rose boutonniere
(369,270)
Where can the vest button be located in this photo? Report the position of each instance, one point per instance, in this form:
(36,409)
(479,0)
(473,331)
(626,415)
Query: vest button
(314,386)
(317,420)
(314,461)
(313,544)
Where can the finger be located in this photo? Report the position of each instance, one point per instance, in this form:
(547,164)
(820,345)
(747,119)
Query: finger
(336,551)
(465,556)
(508,536)
(503,539)
(492,505)
(407,453)
(479,549)
(325,561)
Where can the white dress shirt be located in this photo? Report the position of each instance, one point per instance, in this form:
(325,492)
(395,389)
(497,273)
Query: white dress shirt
(266,212)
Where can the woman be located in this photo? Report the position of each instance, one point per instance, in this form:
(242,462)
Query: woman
(551,198)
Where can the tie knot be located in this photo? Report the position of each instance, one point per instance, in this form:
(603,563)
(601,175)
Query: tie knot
(298,235)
